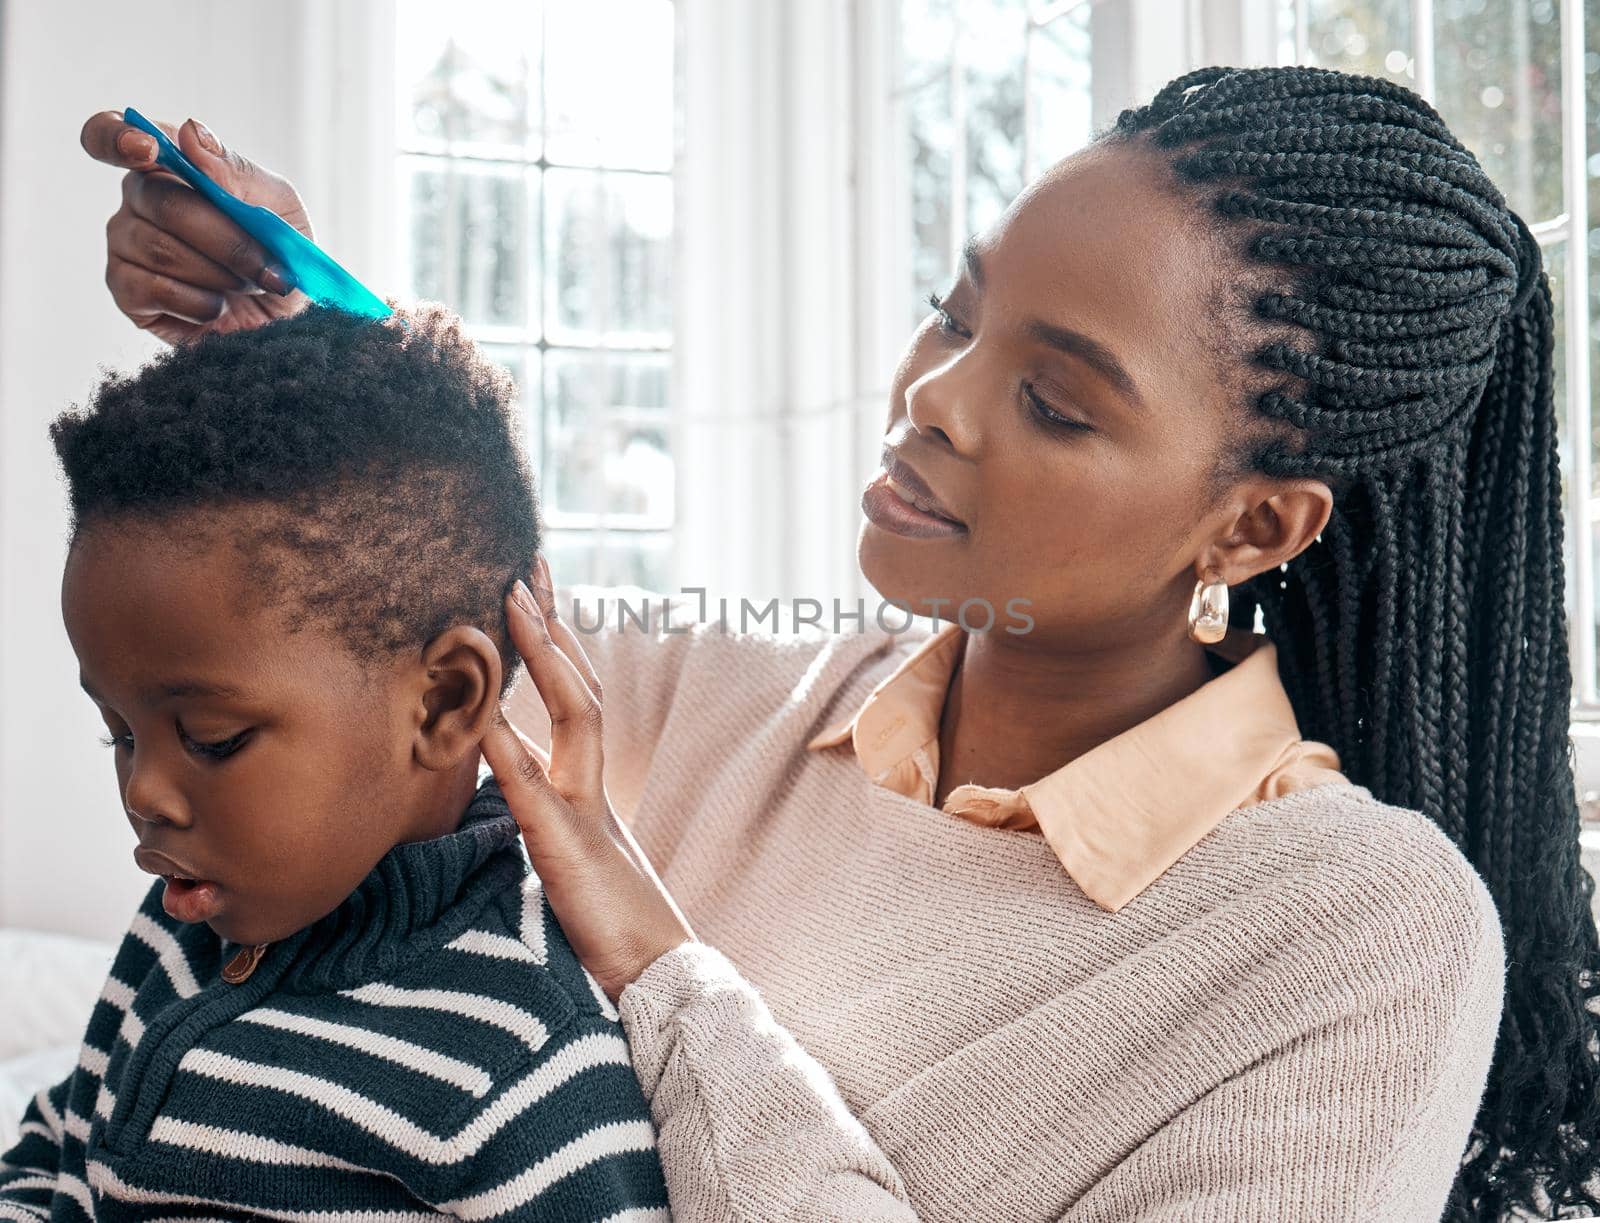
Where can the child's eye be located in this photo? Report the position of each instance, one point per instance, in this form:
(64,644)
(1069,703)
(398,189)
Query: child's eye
(215,750)
(947,322)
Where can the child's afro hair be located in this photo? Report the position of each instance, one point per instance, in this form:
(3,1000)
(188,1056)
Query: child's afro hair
(378,469)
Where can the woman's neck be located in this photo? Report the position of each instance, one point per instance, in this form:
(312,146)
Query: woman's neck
(1015,712)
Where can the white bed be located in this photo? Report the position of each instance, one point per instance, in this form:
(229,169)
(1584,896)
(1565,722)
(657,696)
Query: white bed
(48,986)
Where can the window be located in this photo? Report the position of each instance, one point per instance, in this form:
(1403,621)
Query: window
(535,144)
(1519,82)
(989,94)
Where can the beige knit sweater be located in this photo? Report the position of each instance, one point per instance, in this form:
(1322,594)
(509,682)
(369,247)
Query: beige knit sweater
(893,1013)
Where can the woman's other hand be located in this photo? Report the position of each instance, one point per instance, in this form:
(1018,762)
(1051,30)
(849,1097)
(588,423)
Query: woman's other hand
(601,887)
(174,264)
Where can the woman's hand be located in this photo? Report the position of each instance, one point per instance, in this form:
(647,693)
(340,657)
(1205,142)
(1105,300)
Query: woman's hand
(175,265)
(601,887)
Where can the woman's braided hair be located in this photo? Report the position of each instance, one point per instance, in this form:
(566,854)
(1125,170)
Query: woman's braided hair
(1424,633)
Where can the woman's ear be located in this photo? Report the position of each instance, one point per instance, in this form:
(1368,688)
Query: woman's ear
(1277,528)
(459,683)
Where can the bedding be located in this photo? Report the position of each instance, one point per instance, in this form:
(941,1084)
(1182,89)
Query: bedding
(48,986)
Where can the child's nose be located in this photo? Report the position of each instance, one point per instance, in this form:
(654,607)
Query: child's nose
(148,798)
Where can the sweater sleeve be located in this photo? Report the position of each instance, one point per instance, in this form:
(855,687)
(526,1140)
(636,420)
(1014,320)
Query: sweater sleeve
(1361,1117)
(751,1126)
(28,1170)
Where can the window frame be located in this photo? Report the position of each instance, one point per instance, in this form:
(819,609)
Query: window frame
(1569,226)
(531,339)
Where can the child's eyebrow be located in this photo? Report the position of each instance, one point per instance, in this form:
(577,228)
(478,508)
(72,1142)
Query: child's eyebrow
(179,688)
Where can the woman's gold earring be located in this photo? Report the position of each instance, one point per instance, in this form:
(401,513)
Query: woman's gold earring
(1208,610)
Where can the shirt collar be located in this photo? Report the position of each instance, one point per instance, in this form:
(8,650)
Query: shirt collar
(902,713)
(1121,814)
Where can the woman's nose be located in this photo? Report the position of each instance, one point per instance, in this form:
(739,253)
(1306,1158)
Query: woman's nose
(943,404)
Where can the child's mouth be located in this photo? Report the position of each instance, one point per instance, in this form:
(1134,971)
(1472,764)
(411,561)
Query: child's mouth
(186,898)
(190,900)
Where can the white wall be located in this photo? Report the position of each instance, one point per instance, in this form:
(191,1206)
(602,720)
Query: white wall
(249,71)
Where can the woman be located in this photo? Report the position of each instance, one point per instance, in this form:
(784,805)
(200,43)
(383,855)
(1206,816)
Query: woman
(1072,921)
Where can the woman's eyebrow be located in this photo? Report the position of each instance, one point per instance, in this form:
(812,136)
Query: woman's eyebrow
(970,260)
(1092,353)
(1074,343)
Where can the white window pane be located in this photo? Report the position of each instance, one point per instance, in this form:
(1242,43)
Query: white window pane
(586,383)
(1058,89)
(1591,87)
(930,132)
(468,230)
(465,71)
(1555,254)
(1555,266)
(1498,70)
(608,243)
(1286,21)
(523,366)
(637,558)
(1584,331)
(608,83)
(609,435)
(927,40)
(486,88)
(981,91)
(993,35)
(1554,263)
(512,359)
(1366,36)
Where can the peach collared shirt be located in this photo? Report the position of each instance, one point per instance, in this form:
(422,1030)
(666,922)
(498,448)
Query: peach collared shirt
(1122,813)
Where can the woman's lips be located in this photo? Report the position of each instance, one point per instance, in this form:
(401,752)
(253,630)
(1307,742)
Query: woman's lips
(890,506)
(909,484)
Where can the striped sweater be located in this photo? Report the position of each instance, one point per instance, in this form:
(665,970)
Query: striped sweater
(432,1046)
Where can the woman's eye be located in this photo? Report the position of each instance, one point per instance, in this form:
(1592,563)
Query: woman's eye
(947,322)
(216,749)
(1049,415)
(114,741)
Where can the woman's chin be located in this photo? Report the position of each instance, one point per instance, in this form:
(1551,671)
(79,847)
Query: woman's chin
(905,572)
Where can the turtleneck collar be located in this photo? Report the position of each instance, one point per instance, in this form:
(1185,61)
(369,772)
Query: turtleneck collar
(419,895)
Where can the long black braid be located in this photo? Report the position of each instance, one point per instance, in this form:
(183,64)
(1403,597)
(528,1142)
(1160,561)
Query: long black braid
(1424,633)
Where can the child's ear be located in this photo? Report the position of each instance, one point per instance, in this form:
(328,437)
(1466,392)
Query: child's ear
(459,690)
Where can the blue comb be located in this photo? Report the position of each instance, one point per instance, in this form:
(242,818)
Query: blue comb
(314,271)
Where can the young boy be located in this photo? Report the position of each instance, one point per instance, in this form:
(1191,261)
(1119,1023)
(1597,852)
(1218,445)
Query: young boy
(345,998)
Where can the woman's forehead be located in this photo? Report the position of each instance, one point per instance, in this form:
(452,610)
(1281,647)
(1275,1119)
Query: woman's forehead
(1103,243)
(1113,211)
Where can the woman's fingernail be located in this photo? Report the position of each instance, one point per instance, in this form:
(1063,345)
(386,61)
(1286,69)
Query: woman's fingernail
(136,145)
(276,279)
(207,141)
